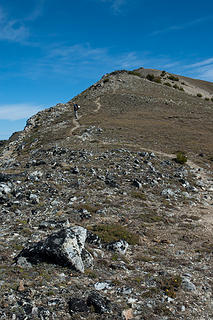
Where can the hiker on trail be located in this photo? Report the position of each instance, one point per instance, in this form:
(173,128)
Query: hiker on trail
(76,108)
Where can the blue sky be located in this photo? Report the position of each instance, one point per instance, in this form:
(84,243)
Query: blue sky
(51,50)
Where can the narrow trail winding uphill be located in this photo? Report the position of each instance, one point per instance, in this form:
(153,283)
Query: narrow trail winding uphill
(98,103)
(76,125)
(76,122)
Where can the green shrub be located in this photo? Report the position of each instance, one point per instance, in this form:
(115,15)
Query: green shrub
(134,73)
(150,77)
(114,232)
(163,73)
(181,89)
(157,79)
(106,80)
(173,78)
(212,99)
(207,99)
(92,208)
(138,195)
(199,95)
(167,84)
(170,285)
(150,218)
(175,86)
(181,157)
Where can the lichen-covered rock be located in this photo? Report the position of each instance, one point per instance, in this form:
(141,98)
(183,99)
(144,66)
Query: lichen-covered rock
(120,246)
(65,247)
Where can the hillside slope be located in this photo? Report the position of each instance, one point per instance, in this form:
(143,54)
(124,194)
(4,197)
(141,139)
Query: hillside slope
(99,217)
(150,114)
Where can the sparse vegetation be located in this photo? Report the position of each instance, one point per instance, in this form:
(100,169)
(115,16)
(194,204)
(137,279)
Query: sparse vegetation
(163,73)
(135,73)
(87,206)
(157,80)
(175,86)
(181,157)
(150,218)
(170,285)
(165,219)
(173,78)
(113,232)
(152,78)
(167,84)
(106,80)
(90,273)
(199,95)
(138,195)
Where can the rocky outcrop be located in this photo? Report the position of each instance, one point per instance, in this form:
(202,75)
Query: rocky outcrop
(66,248)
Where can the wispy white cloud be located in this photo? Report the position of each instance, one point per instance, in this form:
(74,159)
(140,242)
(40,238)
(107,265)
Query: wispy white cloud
(180,26)
(205,62)
(36,12)
(130,60)
(12,29)
(16,29)
(206,74)
(202,69)
(116,5)
(81,61)
(18,111)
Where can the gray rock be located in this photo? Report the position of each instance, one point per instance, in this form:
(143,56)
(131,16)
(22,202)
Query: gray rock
(120,246)
(98,302)
(103,285)
(137,184)
(78,305)
(188,285)
(22,262)
(35,176)
(34,198)
(168,193)
(65,247)
(75,170)
(5,189)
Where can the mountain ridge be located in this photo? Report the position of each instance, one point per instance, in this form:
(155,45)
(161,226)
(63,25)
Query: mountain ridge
(110,216)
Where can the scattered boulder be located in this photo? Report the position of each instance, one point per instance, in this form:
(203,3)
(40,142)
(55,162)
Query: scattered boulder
(119,246)
(94,303)
(188,285)
(35,175)
(103,285)
(77,305)
(65,247)
(168,193)
(137,184)
(75,170)
(98,302)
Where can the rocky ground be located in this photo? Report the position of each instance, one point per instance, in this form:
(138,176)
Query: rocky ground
(97,226)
